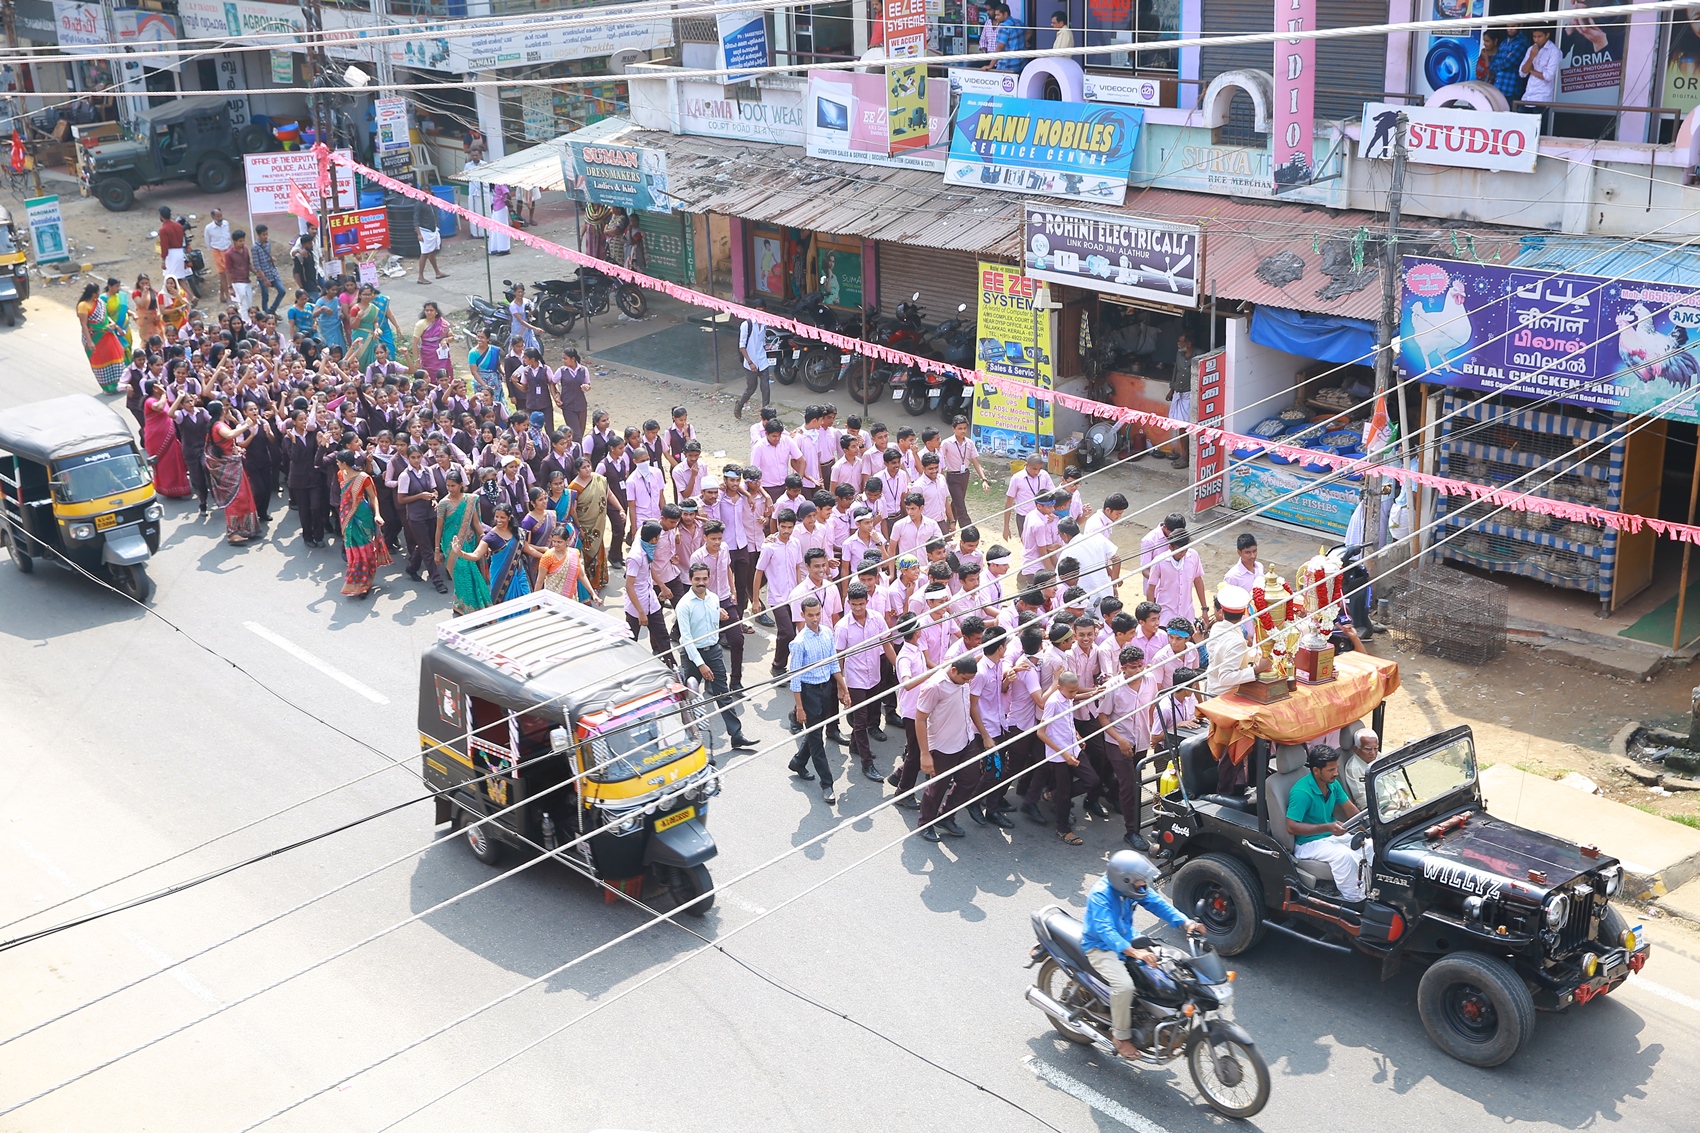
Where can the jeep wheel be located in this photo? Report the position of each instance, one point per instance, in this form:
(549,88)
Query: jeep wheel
(116,194)
(1225,896)
(1476,1008)
(216,177)
(254,138)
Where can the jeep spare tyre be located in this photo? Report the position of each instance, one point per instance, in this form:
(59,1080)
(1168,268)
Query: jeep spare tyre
(1476,1008)
(115,193)
(254,138)
(1225,896)
(216,177)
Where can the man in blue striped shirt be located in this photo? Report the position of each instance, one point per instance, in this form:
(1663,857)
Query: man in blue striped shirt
(698,616)
(814,677)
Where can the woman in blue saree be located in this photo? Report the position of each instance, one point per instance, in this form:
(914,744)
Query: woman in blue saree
(508,578)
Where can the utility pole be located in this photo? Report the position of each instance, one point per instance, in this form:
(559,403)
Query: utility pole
(1371,498)
(26,81)
(316,78)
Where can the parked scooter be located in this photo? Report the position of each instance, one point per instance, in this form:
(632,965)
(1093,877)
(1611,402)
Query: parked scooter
(481,314)
(951,341)
(867,379)
(797,357)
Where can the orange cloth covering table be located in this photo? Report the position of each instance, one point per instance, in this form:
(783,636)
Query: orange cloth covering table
(1361,682)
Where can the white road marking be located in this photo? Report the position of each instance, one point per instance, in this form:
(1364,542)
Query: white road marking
(739,903)
(324,667)
(1081,1092)
(1664,992)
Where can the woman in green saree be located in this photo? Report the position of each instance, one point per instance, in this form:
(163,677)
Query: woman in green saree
(458,546)
(362,547)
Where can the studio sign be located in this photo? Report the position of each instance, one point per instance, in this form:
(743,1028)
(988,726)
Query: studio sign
(1464,139)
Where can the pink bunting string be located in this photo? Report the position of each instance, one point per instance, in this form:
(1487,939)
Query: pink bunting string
(1511,499)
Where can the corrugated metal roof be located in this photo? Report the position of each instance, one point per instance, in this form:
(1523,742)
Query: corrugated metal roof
(539,166)
(1644,260)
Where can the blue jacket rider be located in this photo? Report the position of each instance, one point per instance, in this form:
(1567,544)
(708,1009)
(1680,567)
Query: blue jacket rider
(1108,939)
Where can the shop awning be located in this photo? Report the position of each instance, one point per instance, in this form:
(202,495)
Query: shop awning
(1326,338)
(539,167)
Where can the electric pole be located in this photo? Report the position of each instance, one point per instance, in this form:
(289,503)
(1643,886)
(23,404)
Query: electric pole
(1371,499)
(317,73)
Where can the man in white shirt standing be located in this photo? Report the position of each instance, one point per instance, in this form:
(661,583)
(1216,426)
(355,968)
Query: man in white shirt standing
(217,233)
(699,614)
(1025,487)
(758,366)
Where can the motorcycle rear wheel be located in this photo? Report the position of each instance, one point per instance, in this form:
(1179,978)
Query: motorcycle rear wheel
(916,400)
(820,370)
(1053,979)
(785,368)
(866,384)
(632,301)
(556,317)
(1239,1086)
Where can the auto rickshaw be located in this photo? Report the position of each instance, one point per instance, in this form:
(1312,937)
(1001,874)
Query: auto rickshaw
(14,269)
(540,691)
(73,483)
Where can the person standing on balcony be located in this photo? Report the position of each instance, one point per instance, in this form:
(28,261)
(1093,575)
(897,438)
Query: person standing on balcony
(1507,63)
(1540,67)
(1064,39)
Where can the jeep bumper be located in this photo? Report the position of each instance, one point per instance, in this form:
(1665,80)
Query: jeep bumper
(1591,975)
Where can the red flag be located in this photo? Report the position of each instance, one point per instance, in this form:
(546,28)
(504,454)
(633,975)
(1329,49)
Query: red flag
(323,154)
(301,206)
(18,158)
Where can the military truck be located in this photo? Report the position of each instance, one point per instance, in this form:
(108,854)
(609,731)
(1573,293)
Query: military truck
(187,139)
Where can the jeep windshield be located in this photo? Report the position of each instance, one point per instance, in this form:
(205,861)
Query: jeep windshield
(634,745)
(1400,790)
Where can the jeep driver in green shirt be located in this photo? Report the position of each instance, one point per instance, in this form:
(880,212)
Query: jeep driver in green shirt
(1316,806)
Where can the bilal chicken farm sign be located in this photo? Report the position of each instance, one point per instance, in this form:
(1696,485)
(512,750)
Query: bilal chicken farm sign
(1614,344)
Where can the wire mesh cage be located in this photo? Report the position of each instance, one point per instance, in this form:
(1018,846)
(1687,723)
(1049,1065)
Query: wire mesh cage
(1447,613)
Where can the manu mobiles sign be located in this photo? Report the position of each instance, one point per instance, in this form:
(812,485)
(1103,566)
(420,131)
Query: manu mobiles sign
(1614,344)
(1118,255)
(1060,149)
(1465,139)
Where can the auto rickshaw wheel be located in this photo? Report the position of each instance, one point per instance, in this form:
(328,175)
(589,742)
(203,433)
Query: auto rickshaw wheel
(133,582)
(20,557)
(485,848)
(688,885)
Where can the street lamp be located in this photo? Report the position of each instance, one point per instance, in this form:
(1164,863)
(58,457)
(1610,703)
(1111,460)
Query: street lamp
(1041,302)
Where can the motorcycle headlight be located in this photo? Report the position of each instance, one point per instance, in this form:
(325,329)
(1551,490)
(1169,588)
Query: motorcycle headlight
(1557,911)
(82,531)
(1614,880)
(154,513)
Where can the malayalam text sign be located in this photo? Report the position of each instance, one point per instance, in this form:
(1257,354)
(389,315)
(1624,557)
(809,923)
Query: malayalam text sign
(1119,255)
(1013,339)
(47,230)
(1083,151)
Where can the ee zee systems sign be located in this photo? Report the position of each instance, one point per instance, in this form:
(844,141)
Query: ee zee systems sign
(1464,139)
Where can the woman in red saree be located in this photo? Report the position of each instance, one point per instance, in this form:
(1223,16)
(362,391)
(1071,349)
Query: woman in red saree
(159,438)
(363,548)
(227,481)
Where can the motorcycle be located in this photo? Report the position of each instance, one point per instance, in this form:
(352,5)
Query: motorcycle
(798,357)
(492,317)
(558,304)
(952,341)
(1177,1011)
(867,378)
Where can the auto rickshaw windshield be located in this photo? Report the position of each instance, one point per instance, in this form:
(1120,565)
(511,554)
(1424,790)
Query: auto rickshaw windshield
(94,475)
(8,240)
(630,746)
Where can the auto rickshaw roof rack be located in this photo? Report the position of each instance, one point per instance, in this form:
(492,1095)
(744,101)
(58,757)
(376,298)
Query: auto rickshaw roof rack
(523,637)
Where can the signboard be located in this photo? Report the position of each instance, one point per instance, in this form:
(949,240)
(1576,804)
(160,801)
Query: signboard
(704,110)
(905,29)
(269,176)
(1324,505)
(367,230)
(1593,48)
(1083,151)
(906,110)
(391,117)
(283,68)
(629,177)
(234,19)
(1012,339)
(80,24)
(839,261)
(135,30)
(971,80)
(1466,139)
(47,230)
(1682,62)
(368,273)
(1293,126)
(1614,344)
(846,118)
(1209,407)
(1450,55)
(743,42)
(1118,255)
(512,42)
(1127,90)
(37,21)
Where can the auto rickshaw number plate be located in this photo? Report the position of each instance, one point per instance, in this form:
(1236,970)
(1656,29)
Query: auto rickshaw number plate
(675,818)
(102,522)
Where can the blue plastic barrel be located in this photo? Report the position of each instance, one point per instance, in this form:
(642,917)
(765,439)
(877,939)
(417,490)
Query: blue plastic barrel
(371,198)
(447,222)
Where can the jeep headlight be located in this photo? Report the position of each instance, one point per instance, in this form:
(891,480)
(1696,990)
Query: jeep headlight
(154,513)
(1557,911)
(1613,878)
(80,531)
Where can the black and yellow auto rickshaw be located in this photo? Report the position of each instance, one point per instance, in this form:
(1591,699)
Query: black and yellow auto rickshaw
(533,692)
(74,483)
(14,269)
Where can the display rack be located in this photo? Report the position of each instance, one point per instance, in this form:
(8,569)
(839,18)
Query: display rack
(1490,444)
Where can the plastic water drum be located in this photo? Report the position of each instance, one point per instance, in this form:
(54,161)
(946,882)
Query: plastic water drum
(447,222)
(371,198)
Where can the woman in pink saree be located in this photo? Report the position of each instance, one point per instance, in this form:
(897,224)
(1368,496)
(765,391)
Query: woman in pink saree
(159,438)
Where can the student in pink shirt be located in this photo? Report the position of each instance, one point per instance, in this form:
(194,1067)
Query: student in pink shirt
(689,474)
(934,492)
(779,565)
(849,468)
(862,639)
(1124,715)
(777,457)
(1173,582)
(957,455)
(1022,695)
(912,673)
(894,486)
(911,534)
(864,539)
(1040,540)
(1025,487)
(723,585)
(1064,772)
(1155,545)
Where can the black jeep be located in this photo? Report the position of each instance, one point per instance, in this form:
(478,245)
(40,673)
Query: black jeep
(1508,920)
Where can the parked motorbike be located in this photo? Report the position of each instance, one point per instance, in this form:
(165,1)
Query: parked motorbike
(481,314)
(797,357)
(867,379)
(1177,1011)
(558,304)
(951,341)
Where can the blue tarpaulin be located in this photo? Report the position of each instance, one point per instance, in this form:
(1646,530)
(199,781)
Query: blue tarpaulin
(1326,338)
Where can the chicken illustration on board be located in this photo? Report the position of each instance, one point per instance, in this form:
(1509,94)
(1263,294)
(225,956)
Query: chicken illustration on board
(1439,335)
(1651,354)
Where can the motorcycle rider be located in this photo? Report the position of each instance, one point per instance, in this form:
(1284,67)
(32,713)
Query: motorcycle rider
(1109,940)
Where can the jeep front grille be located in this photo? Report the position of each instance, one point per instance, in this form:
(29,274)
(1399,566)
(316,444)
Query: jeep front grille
(1579,929)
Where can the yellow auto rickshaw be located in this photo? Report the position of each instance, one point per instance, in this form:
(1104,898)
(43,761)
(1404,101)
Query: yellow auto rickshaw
(14,269)
(546,706)
(74,485)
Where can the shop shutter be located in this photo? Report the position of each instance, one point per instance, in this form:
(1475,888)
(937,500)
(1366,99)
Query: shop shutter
(1351,71)
(944,279)
(669,246)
